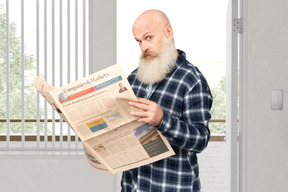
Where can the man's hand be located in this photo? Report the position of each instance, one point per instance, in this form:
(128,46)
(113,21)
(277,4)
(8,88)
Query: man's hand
(151,112)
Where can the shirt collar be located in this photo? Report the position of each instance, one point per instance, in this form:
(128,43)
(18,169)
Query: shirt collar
(181,58)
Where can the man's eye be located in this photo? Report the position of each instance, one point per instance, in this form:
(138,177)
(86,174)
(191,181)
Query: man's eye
(149,37)
(139,41)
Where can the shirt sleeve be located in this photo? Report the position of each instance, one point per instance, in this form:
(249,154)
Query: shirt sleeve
(190,132)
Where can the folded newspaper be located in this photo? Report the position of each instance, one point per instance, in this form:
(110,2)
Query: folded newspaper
(96,108)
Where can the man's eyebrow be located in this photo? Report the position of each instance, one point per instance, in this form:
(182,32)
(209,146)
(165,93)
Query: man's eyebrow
(143,36)
(137,39)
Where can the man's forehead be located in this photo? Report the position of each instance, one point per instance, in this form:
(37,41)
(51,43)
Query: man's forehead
(141,31)
(143,28)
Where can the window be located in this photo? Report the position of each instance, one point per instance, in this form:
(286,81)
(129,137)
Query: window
(199,30)
(48,39)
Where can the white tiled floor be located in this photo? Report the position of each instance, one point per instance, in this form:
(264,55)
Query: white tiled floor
(213,171)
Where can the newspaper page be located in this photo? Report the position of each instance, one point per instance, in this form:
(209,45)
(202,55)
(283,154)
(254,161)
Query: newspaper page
(96,108)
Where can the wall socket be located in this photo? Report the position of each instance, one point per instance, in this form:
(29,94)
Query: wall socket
(277,99)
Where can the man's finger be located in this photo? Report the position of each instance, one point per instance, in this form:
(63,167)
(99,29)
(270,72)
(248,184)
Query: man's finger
(138,105)
(144,101)
(139,114)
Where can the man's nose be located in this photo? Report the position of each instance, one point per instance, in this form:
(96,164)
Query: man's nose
(144,47)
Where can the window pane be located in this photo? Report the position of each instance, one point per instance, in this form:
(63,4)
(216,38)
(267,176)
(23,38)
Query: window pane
(46,38)
(199,29)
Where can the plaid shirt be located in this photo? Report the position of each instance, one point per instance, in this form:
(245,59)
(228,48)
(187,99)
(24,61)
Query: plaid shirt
(185,98)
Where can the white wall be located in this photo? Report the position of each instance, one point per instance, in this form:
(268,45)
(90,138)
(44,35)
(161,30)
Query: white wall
(264,138)
(102,23)
(34,172)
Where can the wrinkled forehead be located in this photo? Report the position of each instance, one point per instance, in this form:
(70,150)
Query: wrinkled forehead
(145,25)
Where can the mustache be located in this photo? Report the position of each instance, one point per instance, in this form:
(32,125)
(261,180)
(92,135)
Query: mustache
(149,53)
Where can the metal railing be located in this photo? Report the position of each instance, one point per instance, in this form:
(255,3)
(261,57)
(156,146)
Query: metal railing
(58,138)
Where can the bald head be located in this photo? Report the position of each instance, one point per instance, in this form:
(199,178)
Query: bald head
(152,17)
(150,29)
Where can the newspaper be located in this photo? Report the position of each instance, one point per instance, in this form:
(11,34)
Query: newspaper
(96,108)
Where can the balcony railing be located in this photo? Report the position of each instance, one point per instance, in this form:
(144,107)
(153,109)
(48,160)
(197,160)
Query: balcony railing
(32,137)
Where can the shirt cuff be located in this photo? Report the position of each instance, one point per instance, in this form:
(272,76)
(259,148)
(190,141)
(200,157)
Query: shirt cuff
(164,125)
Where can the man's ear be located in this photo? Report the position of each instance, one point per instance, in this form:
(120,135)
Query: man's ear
(169,31)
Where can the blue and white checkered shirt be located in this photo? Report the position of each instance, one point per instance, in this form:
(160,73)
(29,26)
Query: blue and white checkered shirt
(185,98)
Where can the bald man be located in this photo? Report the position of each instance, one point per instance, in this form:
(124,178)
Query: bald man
(175,98)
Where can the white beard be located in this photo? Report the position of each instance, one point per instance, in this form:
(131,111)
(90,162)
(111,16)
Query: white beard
(152,71)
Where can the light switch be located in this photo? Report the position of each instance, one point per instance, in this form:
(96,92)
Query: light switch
(277,99)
